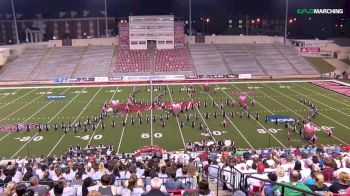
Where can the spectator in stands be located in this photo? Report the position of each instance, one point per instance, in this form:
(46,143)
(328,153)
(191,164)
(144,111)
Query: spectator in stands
(341,185)
(255,184)
(203,188)
(172,183)
(21,189)
(157,189)
(77,181)
(268,187)
(294,178)
(328,170)
(281,175)
(104,187)
(94,193)
(135,185)
(58,189)
(213,170)
(88,182)
(319,187)
(46,180)
(68,174)
(192,174)
(67,190)
(162,174)
(39,189)
(10,189)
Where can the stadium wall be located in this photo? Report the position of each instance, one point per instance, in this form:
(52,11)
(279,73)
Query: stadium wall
(4,55)
(96,42)
(243,39)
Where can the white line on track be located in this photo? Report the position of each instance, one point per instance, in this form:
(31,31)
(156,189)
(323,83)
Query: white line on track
(121,136)
(232,123)
(211,134)
(47,122)
(151,113)
(177,118)
(301,103)
(5,136)
(346,104)
(297,114)
(267,131)
(75,120)
(18,98)
(115,91)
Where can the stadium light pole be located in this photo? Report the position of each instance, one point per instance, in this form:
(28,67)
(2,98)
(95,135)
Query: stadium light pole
(190,15)
(15,21)
(286,24)
(106,19)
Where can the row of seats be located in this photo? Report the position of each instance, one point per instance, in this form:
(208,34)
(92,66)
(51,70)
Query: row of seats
(95,62)
(172,60)
(132,61)
(23,65)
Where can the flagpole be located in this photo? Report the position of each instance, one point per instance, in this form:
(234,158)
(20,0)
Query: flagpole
(15,21)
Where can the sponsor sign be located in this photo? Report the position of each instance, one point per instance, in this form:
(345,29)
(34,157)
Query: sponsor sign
(310,50)
(280,119)
(56,97)
(320,11)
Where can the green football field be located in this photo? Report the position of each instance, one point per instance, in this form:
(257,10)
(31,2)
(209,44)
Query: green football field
(30,105)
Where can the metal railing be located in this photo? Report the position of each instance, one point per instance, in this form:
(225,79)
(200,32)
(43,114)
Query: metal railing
(235,180)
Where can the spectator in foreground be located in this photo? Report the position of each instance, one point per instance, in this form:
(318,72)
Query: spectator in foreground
(203,188)
(10,189)
(172,183)
(294,178)
(38,189)
(341,186)
(58,189)
(156,185)
(319,186)
(268,187)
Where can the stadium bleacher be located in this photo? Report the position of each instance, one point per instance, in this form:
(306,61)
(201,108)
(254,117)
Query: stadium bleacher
(172,60)
(24,64)
(129,61)
(207,60)
(95,62)
(59,64)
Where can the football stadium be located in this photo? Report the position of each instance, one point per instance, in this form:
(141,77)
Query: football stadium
(159,98)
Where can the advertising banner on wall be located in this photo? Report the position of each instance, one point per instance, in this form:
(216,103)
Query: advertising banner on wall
(310,50)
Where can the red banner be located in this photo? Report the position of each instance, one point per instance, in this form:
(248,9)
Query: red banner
(310,50)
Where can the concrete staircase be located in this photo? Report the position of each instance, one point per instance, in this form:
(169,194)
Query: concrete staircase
(43,60)
(213,187)
(151,47)
(79,62)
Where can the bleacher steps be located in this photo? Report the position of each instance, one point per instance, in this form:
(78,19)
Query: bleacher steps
(256,60)
(113,61)
(43,59)
(224,60)
(79,61)
(152,58)
(193,68)
(291,64)
(220,191)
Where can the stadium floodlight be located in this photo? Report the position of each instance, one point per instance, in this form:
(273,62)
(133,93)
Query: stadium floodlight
(106,19)
(15,21)
(286,24)
(190,15)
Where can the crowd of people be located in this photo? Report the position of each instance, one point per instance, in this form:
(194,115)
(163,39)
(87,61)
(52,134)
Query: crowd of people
(322,169)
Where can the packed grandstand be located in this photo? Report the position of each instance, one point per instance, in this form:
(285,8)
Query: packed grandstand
(238,115)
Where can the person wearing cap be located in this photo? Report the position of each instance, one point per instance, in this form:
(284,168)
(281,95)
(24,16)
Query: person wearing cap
(253,183)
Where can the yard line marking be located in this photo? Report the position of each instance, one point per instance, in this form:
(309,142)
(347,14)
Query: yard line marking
(177,118)
(38,132)
(9,93)
(17,98)
(231,122)
(318,112)
(211,134)
(299,115)
(21,108)
(121,137)
(5,136)
(320,102)
(267,131)
(100,119)
(75,119)
(322,95)
(151,113)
